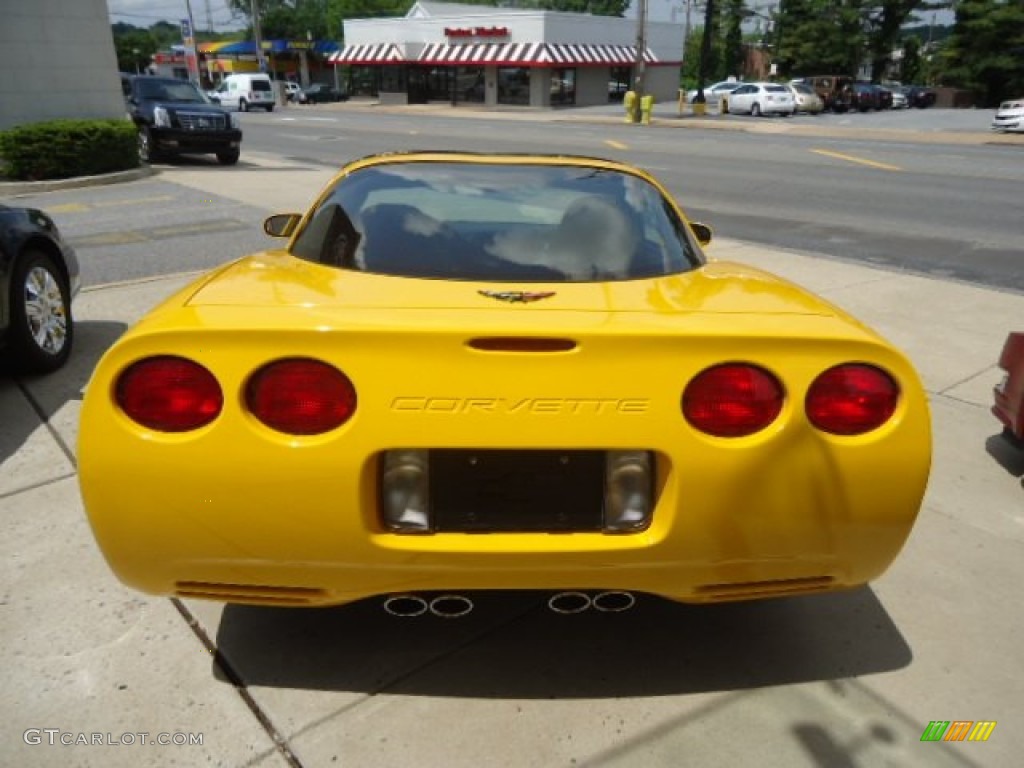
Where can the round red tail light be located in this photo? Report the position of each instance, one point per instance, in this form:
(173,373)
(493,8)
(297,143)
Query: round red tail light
(169,394)
(852,399)
(300,397)
(732,400)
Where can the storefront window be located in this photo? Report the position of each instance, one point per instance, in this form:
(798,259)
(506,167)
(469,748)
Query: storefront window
(563,87)
(364,81)
(471,84)
(618,83)
(393,79)
(514,85)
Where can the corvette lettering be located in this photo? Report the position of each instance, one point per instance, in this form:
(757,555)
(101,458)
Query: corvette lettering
(533,405)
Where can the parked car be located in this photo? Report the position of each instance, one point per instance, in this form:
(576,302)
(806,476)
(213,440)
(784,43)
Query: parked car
(920,96)
(421,392)
(1009,117)
(713,93)
(1009,393)
(245,91)
(806,99)
(864,97)
(320,93)
(39,277)
(899,97)
(174,118)
(834,90)
(762,99)
(292,90)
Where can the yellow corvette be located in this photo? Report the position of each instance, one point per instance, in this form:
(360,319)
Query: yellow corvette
(481,372)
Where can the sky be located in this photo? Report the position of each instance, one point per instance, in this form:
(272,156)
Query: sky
(145,13)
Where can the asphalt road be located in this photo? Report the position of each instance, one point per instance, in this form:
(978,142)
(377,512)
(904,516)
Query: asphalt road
(940,209)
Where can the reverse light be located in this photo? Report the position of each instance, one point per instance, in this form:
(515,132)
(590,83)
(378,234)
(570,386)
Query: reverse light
(168,394)
(405,491)
(732,400)
(628,495)
(299,396)
(851,399)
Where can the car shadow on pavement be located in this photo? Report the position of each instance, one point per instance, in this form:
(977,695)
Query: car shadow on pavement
(512,646)
(47,395)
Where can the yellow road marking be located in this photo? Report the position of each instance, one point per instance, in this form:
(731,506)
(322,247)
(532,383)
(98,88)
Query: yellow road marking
(861,161)
(616,144)
(67,208)
(134,201)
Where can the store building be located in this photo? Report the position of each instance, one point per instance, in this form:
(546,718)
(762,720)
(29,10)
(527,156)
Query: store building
(496,56)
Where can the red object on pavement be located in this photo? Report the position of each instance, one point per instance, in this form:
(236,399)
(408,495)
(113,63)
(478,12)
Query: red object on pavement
(1009,393)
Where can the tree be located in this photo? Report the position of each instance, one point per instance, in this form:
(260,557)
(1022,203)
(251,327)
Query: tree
(985,52)
(733,56)
(912,67)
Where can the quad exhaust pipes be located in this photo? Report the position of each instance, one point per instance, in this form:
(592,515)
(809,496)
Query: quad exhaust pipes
(452,606)
(611,601)
(445,606)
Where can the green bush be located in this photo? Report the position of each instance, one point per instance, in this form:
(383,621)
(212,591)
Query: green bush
(62,149)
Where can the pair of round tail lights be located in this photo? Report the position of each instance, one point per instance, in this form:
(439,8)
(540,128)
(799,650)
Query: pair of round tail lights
(308,397)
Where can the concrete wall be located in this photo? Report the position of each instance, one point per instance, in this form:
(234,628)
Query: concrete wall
(59,62)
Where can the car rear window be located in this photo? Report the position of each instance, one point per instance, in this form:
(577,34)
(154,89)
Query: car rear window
(498,222)
(261,85)
(776,89)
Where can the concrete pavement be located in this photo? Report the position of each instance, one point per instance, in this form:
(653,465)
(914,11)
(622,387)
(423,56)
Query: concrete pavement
(845,680)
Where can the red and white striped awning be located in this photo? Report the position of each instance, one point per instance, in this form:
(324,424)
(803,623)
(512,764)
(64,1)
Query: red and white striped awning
(536,54)
(384,53)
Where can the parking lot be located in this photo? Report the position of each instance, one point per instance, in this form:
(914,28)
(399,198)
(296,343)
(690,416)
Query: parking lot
(98,674)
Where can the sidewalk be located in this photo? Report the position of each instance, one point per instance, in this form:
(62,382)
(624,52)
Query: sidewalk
(844,680)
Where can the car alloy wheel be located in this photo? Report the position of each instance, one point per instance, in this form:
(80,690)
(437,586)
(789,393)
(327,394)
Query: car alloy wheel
(146,153)
(41,325)
(243,105)
(755,110)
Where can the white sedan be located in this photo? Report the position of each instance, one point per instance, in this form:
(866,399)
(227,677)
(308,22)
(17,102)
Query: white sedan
(1010,116)
(712,93)
(761,99)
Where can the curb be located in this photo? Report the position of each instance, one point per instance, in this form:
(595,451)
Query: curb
(15,188)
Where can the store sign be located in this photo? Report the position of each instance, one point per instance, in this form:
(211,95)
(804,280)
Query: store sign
(476,31)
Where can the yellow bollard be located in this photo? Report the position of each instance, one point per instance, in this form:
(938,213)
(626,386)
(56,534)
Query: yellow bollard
(646,107)
(629,102)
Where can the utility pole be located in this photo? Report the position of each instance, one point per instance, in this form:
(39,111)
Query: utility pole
(705,53)
(640,62)
(191,49)
(261,63)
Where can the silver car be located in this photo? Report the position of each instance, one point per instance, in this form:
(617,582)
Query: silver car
(806,99)
(761,99)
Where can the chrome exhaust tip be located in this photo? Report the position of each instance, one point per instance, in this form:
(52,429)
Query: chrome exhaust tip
(613,601)
(451,606)
(569,602)
(406,605)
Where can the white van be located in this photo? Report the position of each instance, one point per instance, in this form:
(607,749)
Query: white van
(244,91)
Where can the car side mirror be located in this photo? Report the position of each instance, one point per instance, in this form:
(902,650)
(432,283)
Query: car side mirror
(281,224)
(701,231)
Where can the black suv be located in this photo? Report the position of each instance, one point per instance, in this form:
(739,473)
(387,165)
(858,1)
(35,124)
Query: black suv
(174,117)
